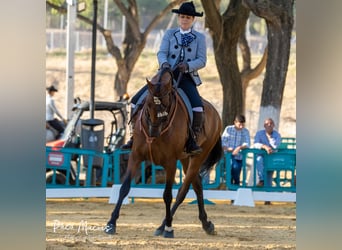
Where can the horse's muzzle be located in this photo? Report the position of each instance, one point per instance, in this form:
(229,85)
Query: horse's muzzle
(154,131)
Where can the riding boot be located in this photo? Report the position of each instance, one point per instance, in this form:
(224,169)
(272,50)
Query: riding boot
(129,143)
(192,147)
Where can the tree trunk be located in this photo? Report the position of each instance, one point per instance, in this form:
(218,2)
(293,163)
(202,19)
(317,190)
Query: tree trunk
(228,69)
(126,66)
(225,31)
(247,73)
(279,19)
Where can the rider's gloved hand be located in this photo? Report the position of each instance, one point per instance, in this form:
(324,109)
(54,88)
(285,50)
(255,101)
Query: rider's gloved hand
(165,65)
(183,67)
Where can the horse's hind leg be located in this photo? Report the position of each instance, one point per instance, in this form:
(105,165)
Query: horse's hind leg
(124,190)
(208,226)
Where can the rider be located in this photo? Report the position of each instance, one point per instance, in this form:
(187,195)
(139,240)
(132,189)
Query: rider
(183,49)
(51,110)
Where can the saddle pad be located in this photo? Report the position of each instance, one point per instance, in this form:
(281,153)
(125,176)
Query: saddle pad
(187,103)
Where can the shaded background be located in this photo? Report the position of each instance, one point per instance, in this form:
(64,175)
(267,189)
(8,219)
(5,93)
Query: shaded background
(319,123)
(22,97)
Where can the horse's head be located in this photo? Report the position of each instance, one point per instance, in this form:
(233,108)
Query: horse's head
(158,100)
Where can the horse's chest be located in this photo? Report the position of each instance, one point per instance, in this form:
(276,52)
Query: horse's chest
(163,151)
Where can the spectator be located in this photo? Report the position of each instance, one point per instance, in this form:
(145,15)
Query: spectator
(51,110)
(234,139)
(269,140)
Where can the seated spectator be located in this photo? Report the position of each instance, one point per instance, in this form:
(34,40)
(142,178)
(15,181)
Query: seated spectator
(234,139)
(269,140)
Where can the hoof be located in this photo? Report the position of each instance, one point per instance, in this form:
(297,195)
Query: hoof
(167,234)
(110,229)
(159,231)
(210,229)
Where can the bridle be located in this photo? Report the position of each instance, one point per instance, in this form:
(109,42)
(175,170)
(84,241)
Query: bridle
(160,106)
(163,108)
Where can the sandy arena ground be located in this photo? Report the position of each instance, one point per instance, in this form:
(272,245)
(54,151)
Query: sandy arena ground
(78,224)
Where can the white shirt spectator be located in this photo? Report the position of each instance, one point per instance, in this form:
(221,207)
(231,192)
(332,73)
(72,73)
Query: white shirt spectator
(51,109)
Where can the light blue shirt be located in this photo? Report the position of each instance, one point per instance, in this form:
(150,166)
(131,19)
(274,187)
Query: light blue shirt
(261,139)
(232,138)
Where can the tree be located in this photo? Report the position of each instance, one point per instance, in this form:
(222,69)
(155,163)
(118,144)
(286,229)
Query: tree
(279,20)
(228,32)
(134,39)
(225,31)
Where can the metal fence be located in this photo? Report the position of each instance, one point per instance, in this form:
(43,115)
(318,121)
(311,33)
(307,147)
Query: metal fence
(216,184)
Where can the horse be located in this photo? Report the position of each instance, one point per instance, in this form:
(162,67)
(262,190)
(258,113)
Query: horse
(160,136)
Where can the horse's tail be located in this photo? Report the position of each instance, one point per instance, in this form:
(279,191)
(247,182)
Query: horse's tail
(215,155)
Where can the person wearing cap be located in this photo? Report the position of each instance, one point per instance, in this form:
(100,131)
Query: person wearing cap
(51,110)
(234,139)
(183,49)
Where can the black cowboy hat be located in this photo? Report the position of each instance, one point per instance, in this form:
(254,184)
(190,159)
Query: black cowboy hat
(51,88)
(188,9)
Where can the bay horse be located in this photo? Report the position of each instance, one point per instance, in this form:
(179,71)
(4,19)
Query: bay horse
(160,135)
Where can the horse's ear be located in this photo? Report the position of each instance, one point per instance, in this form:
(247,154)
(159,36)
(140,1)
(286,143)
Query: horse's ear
(149,84)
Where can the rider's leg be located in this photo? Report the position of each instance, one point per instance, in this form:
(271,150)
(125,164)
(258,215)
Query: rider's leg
(192,147)
(197,124)
(56,124)
(190,89)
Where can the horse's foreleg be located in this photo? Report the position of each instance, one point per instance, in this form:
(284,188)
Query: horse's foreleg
(208,226)
(165,228)
(124,190)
